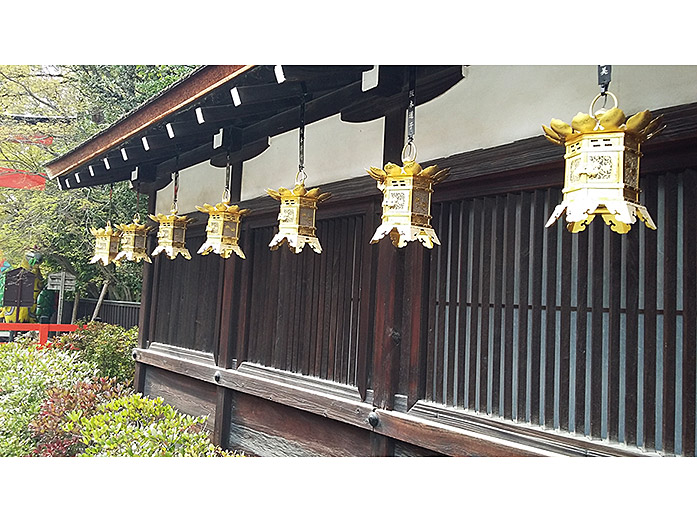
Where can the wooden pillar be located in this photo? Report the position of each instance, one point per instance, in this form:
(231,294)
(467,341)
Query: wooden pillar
(388,295)
(228,301)
(147,299)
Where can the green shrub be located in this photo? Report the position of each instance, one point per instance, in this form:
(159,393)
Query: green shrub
(107,346)
(47,427)
(137,426)
(26,372)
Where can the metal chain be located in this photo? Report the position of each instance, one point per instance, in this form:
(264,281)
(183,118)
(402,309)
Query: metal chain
(301,176)
(409,151)
(136,216)
(228,171)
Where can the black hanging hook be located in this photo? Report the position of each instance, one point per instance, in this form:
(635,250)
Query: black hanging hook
(604,77)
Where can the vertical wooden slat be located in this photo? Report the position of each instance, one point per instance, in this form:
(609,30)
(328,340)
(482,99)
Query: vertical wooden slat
(451,244)
(357,279)
(463,289)
(416,289)
(689,318)
(523,275)
(615,283)
(475,303)
(244,297)
(550,322)
(367,301)
(670,236)
(306,327)
(431,357)
(539,233)
(510,270)
(631,336)
(334,289)
(441,371)
(344,300)
(650,293)
(485,297)
(498,276)
(597,227)
(565,328)
(314,323)
(581,326)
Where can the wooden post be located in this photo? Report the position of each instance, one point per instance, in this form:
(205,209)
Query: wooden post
(100,300)
(388,295)
(228,299)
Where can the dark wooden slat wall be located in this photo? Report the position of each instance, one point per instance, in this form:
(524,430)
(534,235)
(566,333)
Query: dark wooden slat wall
(581,312)
(586,333)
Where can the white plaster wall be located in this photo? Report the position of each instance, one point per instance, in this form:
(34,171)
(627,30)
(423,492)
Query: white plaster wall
(492,106)
(334,150)
(199,184)
(500,104)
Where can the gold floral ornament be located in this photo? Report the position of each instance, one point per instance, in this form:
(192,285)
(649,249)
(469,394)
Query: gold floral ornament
(223,229)
(133,239)
(296,219)
(406,203)
(602,166)
(171,234)
(106,244)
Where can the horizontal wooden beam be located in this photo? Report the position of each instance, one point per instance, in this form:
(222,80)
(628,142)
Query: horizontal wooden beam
(468,435)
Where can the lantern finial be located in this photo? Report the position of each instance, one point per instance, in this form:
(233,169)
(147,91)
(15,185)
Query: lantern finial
(602,166)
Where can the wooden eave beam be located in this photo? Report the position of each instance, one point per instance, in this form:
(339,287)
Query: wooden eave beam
(193,88)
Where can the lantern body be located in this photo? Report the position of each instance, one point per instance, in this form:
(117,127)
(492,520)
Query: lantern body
(296,218)
(406,204)
(133,242)
(223,229)
(171,235)
(602,177)
(602,167)
(106,245)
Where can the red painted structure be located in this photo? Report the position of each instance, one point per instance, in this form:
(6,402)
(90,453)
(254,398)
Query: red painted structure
(43,328)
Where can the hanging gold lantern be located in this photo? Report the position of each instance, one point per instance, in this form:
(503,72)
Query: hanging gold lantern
(296,219)
(133,239)
(171,235)
(106,245)
(406,204)
(602,166)
(223,229)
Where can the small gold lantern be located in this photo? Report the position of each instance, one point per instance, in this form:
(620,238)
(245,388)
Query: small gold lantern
(171,234)
(223,229)
(406,204)
(106,245)
(602,166)
(133,240)
(296,219)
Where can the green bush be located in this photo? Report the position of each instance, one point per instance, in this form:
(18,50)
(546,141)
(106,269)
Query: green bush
(26,372)
(137,426)
(47,427)
(109,347)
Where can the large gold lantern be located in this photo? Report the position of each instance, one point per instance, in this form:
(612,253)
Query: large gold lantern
(106,245)
(223,229)
(296,219)
(133,241)
(406,204)
(603,149)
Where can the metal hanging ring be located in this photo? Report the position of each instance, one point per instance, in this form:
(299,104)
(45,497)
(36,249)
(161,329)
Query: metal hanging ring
(174,208)
(409,152)
(614,98)
(226,195)
(136,217)
(300,177)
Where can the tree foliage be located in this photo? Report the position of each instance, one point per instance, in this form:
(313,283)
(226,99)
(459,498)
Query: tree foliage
(68,104)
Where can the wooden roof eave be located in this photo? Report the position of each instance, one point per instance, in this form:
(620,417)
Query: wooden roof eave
(152,112)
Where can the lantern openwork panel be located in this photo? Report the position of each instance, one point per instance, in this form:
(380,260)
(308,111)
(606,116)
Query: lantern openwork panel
(106,245)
